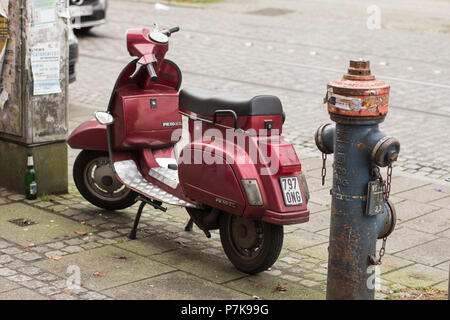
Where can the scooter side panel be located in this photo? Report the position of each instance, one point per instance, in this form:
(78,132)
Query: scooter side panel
(212,184)
(90,135)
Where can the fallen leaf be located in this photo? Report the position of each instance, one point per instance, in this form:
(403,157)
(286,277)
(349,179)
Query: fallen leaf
(98,274)
(57,258)
(280,288)
(83,222)
(256,298)
(417,276)
(257,285)
(80,233)
(290,231)
(120,257)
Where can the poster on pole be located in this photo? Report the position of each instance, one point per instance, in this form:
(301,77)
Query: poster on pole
(44,13)
(3,31)
(45,65)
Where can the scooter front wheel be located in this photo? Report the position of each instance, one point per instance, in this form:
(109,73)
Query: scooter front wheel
(251,245)
(97,183)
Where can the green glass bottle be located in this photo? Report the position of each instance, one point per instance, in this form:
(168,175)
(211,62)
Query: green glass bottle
(30,179)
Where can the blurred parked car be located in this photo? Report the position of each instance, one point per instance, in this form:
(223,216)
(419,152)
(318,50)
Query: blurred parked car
(86,14)
(73,55)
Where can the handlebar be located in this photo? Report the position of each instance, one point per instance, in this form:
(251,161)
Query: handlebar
(168,32)
(151,71)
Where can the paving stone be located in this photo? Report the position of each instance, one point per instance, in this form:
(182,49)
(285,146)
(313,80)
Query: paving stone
(434,222)
(274,272)
(316,277)
(424,194)
(92,296)
(19,278)
(32,284)
(5,272)
(15,264)
(409,209)
(29,270)
(72,249)
(29,256)
(47,277)
(6,285)
(65,296)
(56,245)
(309,283)
(289,260)
(21,294)
(40,232)
(116,271)
(12,250)
(4,244)
(48,290)
(60,284)
(74,242)
(290,277)
(108,234)
(430,253)
(417,276)
(51,254)
(90,245)
(404,238)
(301,239)
(4,258)
(107,241)
(167,287)
(41,249)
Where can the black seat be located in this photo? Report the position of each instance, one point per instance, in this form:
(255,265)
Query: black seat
(205,103)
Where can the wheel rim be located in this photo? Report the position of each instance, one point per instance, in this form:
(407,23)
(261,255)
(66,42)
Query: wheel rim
(100,180)
(246,237)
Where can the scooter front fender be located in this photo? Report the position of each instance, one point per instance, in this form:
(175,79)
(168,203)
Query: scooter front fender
(90,135)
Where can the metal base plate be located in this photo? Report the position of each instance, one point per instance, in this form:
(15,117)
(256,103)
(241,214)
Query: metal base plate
(130,175)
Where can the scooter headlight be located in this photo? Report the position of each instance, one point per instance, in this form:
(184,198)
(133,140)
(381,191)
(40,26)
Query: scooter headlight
(252,191)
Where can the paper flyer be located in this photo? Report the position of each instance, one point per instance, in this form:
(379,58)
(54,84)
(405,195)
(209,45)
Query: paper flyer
(44,13)
(45,65)
(3,31)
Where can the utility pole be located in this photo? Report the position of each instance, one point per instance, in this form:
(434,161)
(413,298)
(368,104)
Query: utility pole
(34,93)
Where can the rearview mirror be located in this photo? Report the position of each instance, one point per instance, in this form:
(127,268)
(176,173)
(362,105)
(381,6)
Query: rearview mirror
(103,117)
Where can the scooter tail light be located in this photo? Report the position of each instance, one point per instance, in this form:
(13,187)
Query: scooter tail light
(290,168)
(253,192)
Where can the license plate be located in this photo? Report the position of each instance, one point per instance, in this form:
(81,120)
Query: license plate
(81,11)
(292,194)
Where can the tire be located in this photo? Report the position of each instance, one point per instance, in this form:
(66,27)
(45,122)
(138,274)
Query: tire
(97,183)
(252,246)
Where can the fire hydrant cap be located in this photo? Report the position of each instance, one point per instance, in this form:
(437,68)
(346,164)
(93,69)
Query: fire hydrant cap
(358,93)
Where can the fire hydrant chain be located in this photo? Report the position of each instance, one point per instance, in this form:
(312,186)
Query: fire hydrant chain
(386,191)
(324,168)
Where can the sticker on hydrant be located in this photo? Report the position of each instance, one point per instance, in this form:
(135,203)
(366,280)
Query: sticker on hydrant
(345,103)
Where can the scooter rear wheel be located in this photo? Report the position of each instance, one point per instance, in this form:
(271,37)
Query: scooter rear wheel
(97,183)
(251,245)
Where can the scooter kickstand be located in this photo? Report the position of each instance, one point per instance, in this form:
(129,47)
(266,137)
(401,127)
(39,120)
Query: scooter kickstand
(133,232)
(144,201)
(189,225)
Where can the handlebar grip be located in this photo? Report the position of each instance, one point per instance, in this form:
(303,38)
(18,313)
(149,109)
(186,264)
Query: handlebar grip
(174,29)
(152,72)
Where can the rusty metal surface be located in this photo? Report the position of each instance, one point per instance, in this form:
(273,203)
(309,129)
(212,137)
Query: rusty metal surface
(358,93)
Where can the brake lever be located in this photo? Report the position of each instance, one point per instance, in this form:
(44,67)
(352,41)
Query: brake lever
(138,68)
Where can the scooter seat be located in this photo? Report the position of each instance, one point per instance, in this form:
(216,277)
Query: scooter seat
(206,103)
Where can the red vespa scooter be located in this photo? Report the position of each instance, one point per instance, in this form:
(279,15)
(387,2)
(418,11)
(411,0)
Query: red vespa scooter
(220,157)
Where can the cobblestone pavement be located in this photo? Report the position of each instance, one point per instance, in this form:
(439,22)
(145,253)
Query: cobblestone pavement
(293,56)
